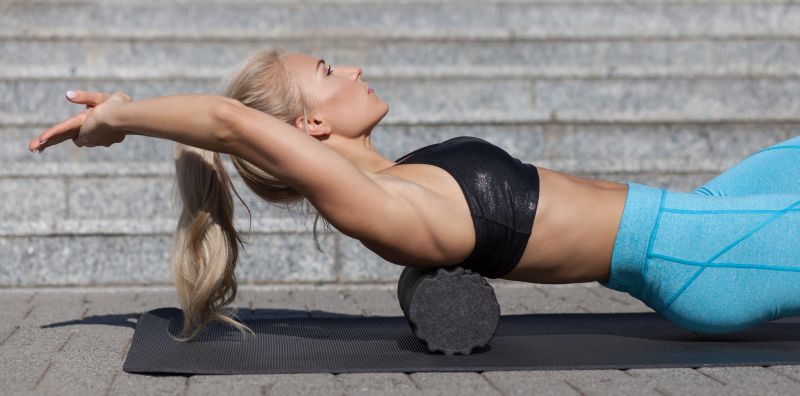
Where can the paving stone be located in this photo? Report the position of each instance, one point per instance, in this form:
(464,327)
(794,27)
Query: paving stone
(376,302)
(138,384)
(520,300)
(26,354)
(54,308)
(588,298)
(7,329)
(594,382)
(305,384)
(751,380)
(112,308)
(202,385)
(678,381)
(374,383)
(272,299)
(88,362)
(466,384)
(622,301)
(325,303)
(15,305)
(791,371)
(588,386)
(150,299)
(520,383)
(20,377)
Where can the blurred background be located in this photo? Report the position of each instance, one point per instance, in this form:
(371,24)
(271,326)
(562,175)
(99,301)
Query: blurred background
(663,93)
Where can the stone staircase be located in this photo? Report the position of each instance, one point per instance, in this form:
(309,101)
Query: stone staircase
(664,93)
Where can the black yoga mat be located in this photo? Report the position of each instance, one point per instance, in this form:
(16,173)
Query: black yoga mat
(339,343)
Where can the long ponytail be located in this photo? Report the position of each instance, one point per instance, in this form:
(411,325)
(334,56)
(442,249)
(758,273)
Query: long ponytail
(205,249)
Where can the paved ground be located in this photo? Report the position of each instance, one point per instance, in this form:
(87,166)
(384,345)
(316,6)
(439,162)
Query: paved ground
(73,341)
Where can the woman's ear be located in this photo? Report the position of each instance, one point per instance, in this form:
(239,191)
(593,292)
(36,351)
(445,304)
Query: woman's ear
(317,127)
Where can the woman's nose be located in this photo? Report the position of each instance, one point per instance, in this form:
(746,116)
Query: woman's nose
(355,72)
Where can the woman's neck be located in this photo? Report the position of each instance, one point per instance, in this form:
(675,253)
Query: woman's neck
(361,152)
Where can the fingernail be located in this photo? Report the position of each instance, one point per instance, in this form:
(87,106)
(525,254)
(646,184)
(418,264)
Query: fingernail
(43,141)
(71,94)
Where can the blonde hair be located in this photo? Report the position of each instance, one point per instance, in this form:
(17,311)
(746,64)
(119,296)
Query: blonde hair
(205,251)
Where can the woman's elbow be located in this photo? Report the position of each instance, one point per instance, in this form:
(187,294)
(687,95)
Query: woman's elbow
(227,116)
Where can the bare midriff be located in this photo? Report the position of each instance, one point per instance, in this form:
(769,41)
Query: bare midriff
(573,233)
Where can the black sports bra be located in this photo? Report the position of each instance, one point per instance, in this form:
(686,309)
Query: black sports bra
(502,194)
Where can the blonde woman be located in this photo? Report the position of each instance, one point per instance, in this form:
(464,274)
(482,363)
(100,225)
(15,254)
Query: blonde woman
(722,258)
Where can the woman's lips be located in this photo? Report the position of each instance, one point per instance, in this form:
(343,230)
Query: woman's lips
(370,91)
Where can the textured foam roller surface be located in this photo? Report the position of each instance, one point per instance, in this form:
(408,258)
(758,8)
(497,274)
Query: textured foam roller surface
(348,344)
(451,310)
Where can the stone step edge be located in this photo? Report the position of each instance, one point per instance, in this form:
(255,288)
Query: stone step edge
(480,118)
(151,227)
(610,165)
(431,2)
(612,72)
(491,34)
(268,287)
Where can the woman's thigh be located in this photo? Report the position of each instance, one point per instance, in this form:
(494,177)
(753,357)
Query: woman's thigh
(718,264)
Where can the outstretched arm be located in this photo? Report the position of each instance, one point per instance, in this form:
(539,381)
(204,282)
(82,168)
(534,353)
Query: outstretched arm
(194,120)
(190,119)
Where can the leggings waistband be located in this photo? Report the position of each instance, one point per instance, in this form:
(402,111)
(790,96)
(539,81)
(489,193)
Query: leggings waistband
(639,219)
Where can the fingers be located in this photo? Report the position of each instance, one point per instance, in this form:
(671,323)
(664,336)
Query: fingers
(58,133)
(90,99)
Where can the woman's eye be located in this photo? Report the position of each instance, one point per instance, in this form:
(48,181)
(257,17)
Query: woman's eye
(330,70)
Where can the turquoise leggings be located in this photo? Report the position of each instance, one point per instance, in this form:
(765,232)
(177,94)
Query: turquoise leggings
(722,258)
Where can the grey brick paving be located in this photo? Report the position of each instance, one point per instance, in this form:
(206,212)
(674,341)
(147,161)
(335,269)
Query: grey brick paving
(311,384)
(752,380)
(125,384)
(678,381)
(244,385)
(433,383)
(383,383)
(74,342)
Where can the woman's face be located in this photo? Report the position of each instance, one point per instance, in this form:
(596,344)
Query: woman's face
(344,103)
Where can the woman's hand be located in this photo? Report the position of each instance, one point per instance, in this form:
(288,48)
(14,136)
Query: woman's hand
(86,129)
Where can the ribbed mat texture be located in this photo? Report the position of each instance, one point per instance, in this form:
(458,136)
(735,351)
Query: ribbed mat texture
(336,343)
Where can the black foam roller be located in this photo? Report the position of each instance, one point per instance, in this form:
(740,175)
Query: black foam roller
(451,310)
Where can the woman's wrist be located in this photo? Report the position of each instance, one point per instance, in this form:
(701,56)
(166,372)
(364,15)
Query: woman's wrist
(111,118)
(107,116)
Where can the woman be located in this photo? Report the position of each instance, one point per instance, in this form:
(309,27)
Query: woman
(298,128)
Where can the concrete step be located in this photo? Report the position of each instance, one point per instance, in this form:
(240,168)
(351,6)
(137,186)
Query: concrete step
(605,147)
(390,59)
(471,100)
(417,19)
